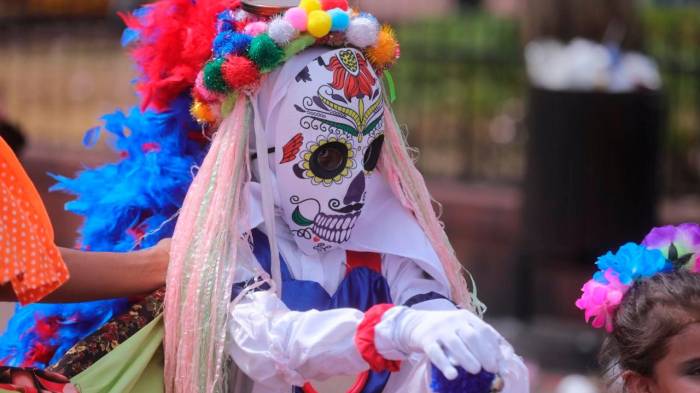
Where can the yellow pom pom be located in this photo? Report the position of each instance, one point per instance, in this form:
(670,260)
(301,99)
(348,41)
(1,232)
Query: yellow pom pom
(202,113)
(384,53)
(319,23)
(310,5)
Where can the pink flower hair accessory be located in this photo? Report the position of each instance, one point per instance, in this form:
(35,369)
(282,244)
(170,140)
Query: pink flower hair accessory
(600,300)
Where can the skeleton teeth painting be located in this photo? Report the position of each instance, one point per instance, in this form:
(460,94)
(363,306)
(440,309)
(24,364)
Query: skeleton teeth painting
(327,148)
(335,231)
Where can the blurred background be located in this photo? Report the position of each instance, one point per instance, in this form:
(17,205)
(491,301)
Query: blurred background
(549,130)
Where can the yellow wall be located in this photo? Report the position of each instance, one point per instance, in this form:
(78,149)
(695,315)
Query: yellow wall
(56,85)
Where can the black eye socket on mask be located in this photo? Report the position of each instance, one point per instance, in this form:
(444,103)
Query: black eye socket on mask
(372,153)
(329,160)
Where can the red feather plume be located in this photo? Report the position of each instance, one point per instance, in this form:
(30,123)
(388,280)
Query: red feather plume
(175,40)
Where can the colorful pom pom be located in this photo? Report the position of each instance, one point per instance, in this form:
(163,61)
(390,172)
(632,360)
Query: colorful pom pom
(310,5)
(239,72)
(281,31)
(265,53)
(331,4)
(240,15)
(297,17)
(383,53)
(230,42)
(202,113)
(298,45)
(362,32)
(319,23)
(226,21)
(254,29)
(340,19)
(200,91)
(213,80)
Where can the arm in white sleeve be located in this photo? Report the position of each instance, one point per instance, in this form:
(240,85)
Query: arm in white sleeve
(412,286)
(278,347)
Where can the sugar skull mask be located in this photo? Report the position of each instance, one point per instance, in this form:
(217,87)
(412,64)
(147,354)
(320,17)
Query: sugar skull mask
(329,136)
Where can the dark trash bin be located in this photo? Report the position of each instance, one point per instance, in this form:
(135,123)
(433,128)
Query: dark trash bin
(592,178)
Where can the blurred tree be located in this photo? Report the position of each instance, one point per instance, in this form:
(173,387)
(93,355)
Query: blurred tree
(597,20)
(469,3)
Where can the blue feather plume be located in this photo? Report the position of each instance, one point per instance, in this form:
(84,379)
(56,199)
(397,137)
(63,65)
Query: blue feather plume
(126,205)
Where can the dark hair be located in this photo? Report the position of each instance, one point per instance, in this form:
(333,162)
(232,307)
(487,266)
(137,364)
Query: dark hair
(12,136)
(652,311)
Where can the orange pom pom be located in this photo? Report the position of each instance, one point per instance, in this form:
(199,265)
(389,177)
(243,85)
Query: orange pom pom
(239,72)
(202,113)
(384,53)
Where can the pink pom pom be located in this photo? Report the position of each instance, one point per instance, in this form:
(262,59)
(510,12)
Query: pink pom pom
(297,17)
(255,28)
(330,4)
(600,301)
(203,94)
(239,72)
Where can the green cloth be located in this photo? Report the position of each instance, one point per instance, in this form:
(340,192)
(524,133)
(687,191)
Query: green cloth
(135,366)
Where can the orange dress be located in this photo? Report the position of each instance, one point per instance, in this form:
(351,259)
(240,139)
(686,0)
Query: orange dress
(29,259)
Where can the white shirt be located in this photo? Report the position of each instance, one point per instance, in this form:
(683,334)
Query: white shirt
(279,348)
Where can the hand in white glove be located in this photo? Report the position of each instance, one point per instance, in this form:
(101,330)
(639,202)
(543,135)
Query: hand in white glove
(449,338)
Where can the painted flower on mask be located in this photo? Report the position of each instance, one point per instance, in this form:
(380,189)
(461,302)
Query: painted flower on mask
(679,244)
(351,74)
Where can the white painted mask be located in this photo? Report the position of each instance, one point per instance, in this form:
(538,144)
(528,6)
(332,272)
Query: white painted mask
(328,137)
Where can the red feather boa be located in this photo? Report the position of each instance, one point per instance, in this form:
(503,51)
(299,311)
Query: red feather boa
(175,40)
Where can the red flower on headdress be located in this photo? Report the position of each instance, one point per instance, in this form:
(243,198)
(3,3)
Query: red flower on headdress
(352,74)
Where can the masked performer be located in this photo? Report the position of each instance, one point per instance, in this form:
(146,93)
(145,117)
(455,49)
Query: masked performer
(338,262)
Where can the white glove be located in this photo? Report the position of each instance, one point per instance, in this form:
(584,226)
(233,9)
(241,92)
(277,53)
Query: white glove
(449,338)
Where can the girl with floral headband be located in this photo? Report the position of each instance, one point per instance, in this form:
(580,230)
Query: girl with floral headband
(647,297)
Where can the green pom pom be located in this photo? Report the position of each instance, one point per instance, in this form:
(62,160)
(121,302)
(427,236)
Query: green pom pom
(213,80)
(265,53)
(298,45)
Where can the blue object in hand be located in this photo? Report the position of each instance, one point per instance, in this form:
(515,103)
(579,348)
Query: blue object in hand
(464,383)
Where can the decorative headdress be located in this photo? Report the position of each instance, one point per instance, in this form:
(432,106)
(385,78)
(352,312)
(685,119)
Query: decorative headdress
(664,249)
(250,45)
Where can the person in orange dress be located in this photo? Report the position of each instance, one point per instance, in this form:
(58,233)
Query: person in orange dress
(33,268)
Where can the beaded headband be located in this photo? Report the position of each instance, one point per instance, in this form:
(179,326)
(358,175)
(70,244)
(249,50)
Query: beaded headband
(261,35)
(664,249)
